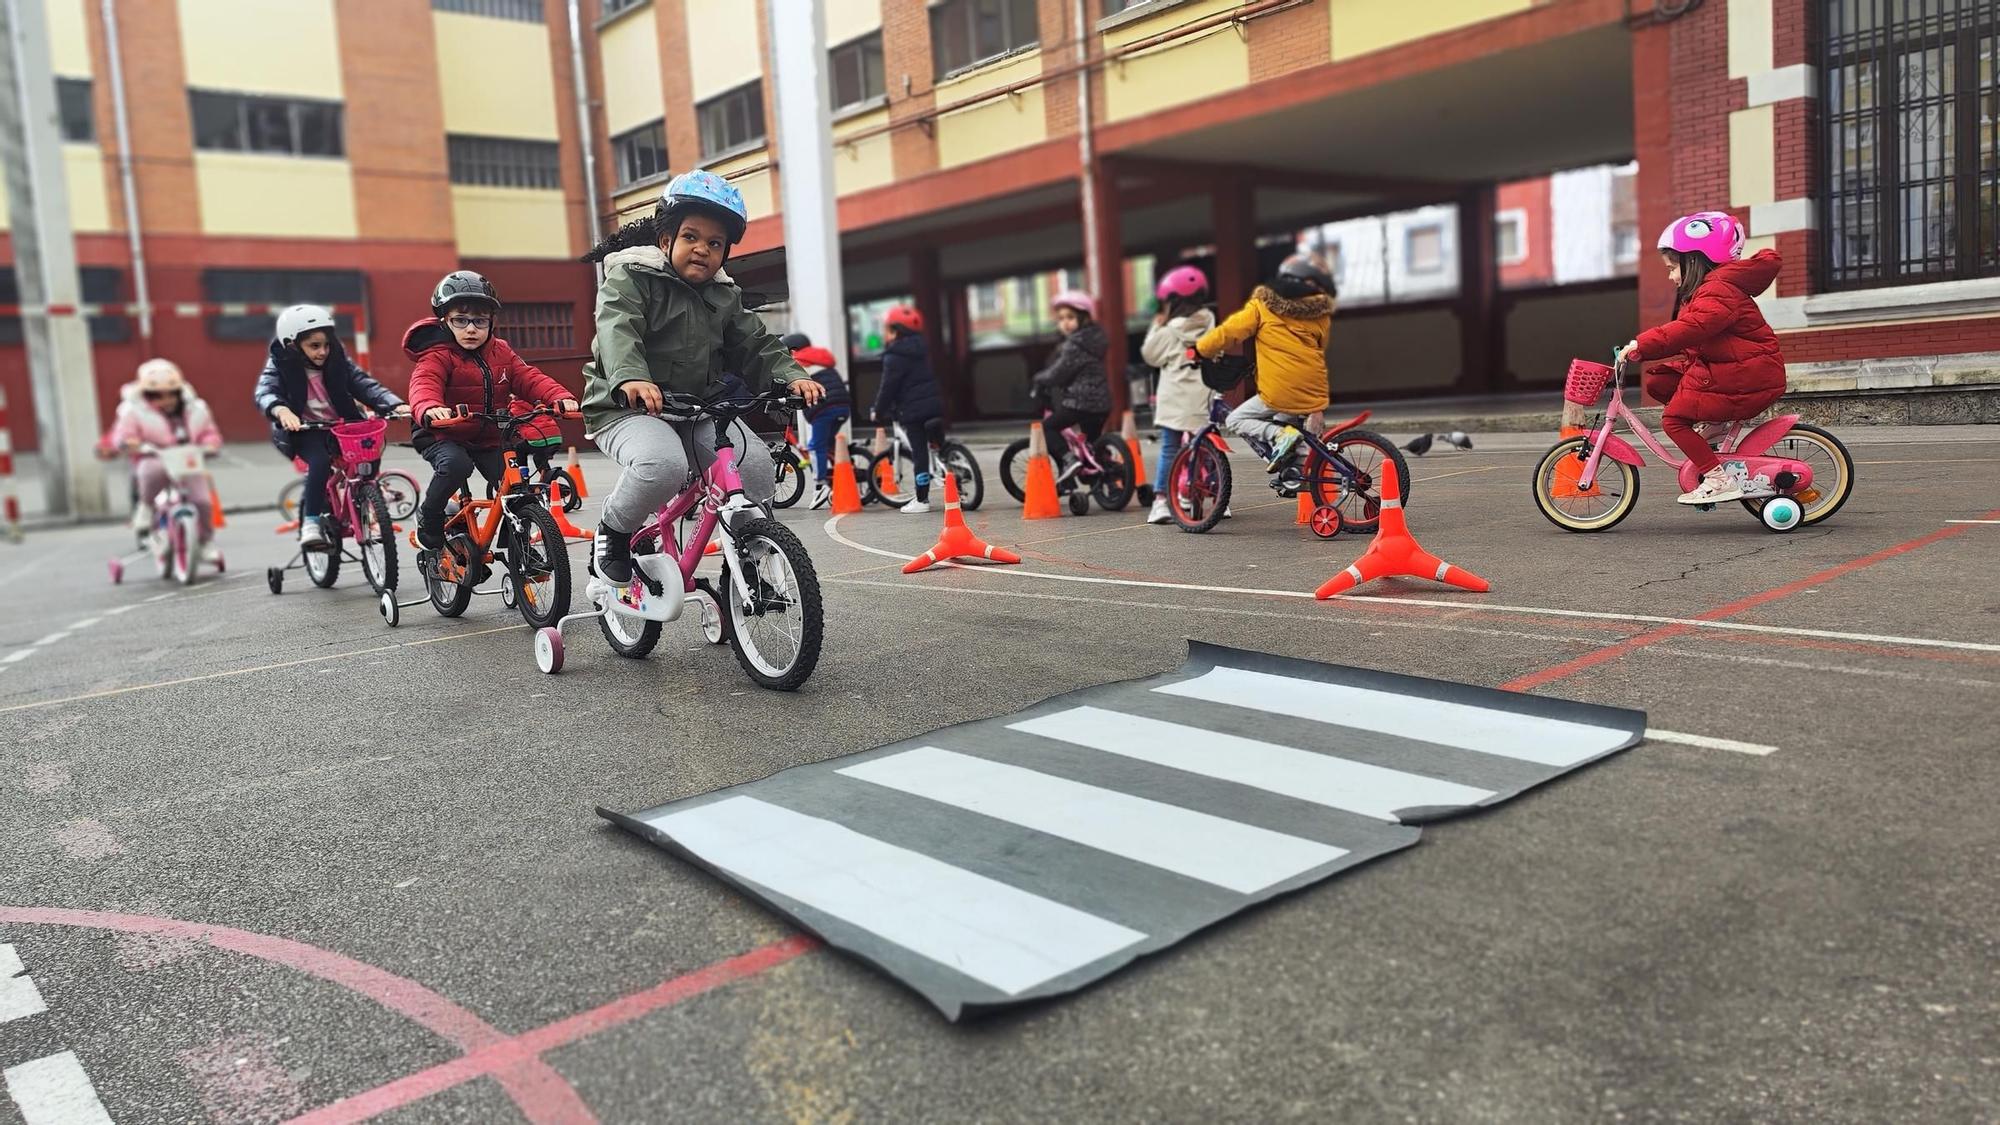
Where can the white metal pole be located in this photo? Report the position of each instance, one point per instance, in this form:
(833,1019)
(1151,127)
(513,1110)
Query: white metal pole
(805,174)
(128,183)
(585,138)
(1086,156)
(58,338)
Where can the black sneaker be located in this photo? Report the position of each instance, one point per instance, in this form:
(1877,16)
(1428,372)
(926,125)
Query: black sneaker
(611,556)
(430,536)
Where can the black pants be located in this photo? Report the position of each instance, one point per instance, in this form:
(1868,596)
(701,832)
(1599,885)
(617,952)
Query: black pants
(451,467)
(1089,424)
(316,449)
(922,432)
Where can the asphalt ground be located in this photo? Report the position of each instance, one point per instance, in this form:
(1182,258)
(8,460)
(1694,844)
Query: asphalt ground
(269,858)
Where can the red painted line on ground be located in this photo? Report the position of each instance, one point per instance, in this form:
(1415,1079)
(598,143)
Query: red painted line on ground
(542,1094)
(527,1048)
(1654,636)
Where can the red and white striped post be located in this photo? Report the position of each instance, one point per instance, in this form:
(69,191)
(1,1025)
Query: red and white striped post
(10,504)
(187,309)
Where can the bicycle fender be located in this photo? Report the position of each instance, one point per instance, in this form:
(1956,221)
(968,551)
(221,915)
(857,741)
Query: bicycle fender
(1763,437)
(1618,449)
(1216,440)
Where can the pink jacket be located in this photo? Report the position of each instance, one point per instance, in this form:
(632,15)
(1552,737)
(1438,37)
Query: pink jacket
(137,421)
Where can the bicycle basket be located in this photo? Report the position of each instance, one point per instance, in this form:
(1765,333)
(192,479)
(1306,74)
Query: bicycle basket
(1225,372)
(1585,382)
(360,442)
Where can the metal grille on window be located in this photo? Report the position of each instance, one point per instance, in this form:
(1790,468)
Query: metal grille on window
(526,11)
(501,162)
(538,327)
(1912,141)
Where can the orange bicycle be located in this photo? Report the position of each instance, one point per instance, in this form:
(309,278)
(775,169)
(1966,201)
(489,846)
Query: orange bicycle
(511,526)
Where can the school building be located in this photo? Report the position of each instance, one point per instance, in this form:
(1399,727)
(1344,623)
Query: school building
(1487,175)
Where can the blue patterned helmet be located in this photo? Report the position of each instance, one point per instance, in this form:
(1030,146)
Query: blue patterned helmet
(709,192)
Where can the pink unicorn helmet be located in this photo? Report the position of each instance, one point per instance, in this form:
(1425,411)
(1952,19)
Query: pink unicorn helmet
(1715,235)
(1182,281)
(1075,299)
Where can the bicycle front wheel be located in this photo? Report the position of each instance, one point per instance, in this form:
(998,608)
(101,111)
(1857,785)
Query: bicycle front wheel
(1198,485)
(791,479)
(1609,499)
(1014,469)
(959,461)
(777,635)
(378,540)
(540,562)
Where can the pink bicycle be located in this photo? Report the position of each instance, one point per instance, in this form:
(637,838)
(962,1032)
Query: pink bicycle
(356,512)
(766,601)
(1796,474)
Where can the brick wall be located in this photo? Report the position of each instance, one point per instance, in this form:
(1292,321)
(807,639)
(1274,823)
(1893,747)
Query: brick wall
(906,53)
(1923,338)
(1682,97)
(555,15)
(156,100)
(394,120)
(677,84)
(1290,40)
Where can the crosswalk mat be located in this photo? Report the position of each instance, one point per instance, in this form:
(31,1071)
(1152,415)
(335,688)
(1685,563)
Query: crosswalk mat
(1025,856)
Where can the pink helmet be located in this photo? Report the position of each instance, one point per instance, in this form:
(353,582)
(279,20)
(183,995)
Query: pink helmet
(1075,299)
(1182,281)
(1715,235)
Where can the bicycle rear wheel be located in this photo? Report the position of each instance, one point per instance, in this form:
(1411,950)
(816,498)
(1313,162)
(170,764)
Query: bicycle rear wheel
(1360,505)
(901,488)
(791,481)
(1014,469)
(399,493)
(1113,488)
(959,461)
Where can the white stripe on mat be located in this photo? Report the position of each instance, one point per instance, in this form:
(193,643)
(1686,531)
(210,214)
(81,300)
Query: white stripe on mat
(55,1091)
(1225,853)
(1337,783)
(1509,734)
(994,933)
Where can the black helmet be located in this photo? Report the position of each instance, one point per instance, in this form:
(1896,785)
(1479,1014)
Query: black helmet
(462,285)
(796,340)
(1301,275)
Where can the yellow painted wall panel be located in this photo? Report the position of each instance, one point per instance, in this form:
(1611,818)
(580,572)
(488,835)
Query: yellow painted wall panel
(258,47)
(69,42)
(496,76)
(723,35)
(991,128)
(1753,173)
(89,206)
(756,187)
(847,20)
(509,222)
(630,49)
(1751,49)
(867,163)
(636,204)
(1362,26)
(278,196)
(1186,70)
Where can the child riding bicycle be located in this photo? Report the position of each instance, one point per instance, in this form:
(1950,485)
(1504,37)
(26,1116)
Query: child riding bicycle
(459,362)
(1182,409)
(909,395)
(1289,320)
(162,410)
(308,378)
(1725,364)
(669,318)
(826,418)
(1074,384)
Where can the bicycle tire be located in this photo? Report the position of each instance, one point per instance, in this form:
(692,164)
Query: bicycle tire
(550,551)
(288,500)
(373,510)
(1361,510)
(812,614)
(323,563)
(1113,489)
(1198,463)
(1014,470)
(791,483)
(971,482)
(400,494)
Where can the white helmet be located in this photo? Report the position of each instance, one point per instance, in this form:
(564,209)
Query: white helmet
(301,319)
(161,375)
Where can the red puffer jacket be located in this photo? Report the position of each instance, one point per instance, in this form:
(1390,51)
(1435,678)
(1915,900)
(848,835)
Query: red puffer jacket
(448,375)
(1725,356)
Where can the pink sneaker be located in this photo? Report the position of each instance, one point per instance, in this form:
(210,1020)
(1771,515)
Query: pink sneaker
(1717,486)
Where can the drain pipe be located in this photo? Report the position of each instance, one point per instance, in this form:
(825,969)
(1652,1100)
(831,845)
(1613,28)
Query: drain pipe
(583,133)
(126,182)
(1086,150)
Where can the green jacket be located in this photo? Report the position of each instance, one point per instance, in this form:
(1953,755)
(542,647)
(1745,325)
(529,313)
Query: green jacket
(652,325)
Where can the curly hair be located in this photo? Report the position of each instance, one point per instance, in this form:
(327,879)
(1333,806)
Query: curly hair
(638,232)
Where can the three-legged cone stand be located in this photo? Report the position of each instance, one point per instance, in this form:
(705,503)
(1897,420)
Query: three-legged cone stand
(958,541)
(1395,551)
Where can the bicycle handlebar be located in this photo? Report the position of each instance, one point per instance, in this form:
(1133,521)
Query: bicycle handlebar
(691,408)
(462,412)
(305,424)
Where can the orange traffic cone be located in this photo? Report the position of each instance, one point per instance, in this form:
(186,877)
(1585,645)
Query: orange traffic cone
(1396,552)
(1569,470)
(714,547)
(287,527)
(846,490)
(1040,503)
(575,472)
(1132,446)
(216,518)
(958,541)
(569,530)
(1306,506)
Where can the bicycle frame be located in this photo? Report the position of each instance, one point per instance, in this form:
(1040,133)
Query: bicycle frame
(1604,442)
(1350,474)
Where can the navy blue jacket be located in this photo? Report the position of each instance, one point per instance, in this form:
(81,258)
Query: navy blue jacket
(909,392)
(283,383)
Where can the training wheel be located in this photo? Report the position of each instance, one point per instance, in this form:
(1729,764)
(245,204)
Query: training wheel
(1325,521)
(711,619)
(1781,513)
(549,649)
(391,612)
(274,577)
(221,564)
(509,592)
(117,571)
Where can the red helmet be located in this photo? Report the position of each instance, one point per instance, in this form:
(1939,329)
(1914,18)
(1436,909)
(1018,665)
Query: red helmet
(905,317)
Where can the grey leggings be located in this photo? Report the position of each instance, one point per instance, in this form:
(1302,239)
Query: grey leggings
(651,452)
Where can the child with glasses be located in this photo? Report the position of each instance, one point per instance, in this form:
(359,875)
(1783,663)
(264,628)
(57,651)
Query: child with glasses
(459,362)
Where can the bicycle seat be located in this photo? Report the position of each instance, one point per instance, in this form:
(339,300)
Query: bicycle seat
(1347,425)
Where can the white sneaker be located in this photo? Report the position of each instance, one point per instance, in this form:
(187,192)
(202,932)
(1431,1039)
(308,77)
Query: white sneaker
(1719,485)
(142,519)
(822,494)
(311,534)
(212,555)
(916,508)
(1160,513)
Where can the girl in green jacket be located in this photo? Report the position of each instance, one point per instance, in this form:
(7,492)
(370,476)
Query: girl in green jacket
(669,318)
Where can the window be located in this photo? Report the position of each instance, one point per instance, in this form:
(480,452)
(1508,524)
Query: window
(1510,238)
(856,70)
(1423,249)
(640,153)
(1625,244)
(97,285)
(732,121)
(277,287)
(499,162)
(247,123)
(548,326)
(527,11)
(1113,7)
(965,33)
(73,102)
(618,7)
(1911,164)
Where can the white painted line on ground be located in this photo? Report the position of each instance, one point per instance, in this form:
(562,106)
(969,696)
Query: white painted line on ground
(1437,603)
(19,998)
(55,1091)
(50,639)
(1460,473)
(1972,521)
(1707,743)
(119,610)
(17,656)
(85,623)
(161,597)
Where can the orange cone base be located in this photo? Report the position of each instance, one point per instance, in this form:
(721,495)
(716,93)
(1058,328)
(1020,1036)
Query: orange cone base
(1306,506)
(714,547)
(1401,558)
(287,527)
(1041,502)
(846,491)
(959,543)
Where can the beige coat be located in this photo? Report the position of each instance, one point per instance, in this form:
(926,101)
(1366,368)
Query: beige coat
(1184,398)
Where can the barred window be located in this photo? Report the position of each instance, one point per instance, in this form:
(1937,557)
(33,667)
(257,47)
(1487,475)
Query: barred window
(965,33)
(856,71)
(538,327)
(640,153)
(248,123)
(527,11)
(614,7)
(278,287)
(1911,163)
(73,100)
(501,162)
(732,121)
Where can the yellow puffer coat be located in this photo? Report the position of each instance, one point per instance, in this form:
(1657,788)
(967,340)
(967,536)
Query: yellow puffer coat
(1290,334)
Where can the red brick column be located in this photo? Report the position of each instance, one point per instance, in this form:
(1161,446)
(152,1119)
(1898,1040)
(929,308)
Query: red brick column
(906,53)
